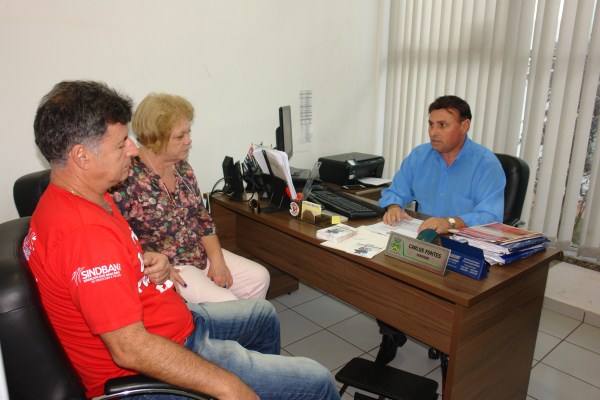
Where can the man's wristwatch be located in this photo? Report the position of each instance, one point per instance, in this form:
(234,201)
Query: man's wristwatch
(452,223)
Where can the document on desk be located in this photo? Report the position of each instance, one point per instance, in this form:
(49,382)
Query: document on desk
(279,164)
(404,227)
(372,181)
(365,243)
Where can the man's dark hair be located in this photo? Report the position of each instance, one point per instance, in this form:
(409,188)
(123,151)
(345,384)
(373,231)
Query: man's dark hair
(452,102)
(77,112)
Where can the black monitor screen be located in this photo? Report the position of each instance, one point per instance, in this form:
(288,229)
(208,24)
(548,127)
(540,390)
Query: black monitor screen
(283,135)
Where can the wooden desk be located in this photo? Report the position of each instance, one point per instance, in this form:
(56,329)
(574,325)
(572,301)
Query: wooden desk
(488,328)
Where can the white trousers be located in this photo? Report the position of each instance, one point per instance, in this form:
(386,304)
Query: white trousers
(250,281)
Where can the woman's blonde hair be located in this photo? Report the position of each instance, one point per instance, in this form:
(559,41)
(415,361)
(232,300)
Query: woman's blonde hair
(155,116)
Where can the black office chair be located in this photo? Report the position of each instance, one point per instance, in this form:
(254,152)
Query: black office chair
(517,178)
(35,363)
(28,189)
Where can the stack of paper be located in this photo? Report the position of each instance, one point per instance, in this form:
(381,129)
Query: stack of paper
(404,227)
(336,233)
(502,244)
(369,240)
(365,243)
(279,165)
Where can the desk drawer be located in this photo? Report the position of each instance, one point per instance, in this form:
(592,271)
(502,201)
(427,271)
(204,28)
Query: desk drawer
(419,314)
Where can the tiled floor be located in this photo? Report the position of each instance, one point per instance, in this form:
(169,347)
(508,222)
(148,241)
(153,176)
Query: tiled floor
(567,354)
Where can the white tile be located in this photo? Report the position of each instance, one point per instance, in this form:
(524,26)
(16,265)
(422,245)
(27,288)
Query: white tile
(326,348)
(575,361)
(325,311)
(586,336)
(360,330)
(561,370)
(412,357)
(556,324)
(302,295)
(294,327)
(547,383)
(283,352)
(544,344)
(278,306)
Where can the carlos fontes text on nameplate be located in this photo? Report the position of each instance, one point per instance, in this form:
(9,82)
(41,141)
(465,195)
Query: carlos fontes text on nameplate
(416,252)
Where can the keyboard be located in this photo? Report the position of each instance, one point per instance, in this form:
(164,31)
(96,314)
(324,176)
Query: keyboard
(339,202)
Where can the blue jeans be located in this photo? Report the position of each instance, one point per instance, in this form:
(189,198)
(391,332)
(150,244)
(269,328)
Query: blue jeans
(242,336)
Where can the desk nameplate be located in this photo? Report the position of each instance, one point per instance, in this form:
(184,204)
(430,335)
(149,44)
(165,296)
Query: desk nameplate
(421,254)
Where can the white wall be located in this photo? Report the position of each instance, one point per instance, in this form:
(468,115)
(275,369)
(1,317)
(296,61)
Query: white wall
(237,61)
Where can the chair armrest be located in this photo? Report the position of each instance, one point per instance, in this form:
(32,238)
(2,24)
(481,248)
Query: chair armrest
(140,384)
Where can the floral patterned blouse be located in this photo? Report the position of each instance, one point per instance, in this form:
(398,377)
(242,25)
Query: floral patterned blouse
(171,223)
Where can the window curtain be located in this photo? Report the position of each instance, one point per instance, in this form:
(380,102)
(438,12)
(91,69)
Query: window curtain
(530,71)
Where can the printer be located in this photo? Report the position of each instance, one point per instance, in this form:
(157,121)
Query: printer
(349,167)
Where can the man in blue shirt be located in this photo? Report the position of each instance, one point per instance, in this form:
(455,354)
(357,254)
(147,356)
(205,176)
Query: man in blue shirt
(454,180)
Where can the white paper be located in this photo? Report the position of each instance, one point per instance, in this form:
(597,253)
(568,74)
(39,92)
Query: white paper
(372,181)
(365,243)
(404,227)
(279,163)
(260,159)
(306,117)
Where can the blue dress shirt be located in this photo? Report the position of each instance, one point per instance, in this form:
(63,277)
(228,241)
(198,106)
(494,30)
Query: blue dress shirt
(472,188)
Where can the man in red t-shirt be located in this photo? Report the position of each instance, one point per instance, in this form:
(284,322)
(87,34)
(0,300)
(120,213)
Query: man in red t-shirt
(114,308)
(73,237)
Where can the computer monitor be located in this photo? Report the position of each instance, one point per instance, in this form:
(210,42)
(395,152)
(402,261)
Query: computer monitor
(283,134)
(284,142)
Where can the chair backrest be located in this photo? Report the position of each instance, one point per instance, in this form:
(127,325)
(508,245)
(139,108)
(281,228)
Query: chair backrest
(35,363)
(517,178)
(28,189)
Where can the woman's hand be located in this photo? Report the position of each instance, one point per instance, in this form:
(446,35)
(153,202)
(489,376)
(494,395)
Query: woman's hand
(220,274)
(175,277)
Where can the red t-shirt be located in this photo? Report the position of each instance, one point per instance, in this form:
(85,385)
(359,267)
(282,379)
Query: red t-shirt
(89,270)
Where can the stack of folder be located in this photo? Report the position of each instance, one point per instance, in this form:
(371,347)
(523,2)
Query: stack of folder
(502,244)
